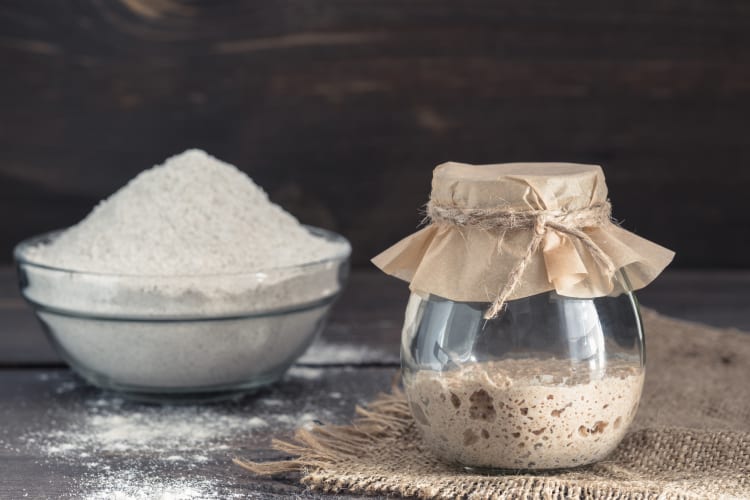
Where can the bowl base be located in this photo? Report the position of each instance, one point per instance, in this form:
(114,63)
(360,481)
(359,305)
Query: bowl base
(179,395)
(189,398)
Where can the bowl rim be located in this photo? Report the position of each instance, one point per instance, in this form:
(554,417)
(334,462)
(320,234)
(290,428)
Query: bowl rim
(39,307)
(20,249)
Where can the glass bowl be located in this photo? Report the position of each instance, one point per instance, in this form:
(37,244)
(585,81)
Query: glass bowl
(187,337)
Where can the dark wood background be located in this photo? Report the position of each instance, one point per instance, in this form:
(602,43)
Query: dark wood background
(341,108)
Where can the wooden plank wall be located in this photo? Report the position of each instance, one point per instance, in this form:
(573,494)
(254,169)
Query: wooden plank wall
(341,108)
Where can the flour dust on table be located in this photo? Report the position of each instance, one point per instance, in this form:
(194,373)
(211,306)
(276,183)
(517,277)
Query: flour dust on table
(131,451)
(110,424)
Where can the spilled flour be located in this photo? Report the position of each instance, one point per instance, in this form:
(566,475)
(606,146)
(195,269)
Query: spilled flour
(158,430)
(130,486)
(171,433)
(130,451)
(325,353)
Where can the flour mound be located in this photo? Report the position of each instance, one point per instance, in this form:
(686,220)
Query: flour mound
(194,214)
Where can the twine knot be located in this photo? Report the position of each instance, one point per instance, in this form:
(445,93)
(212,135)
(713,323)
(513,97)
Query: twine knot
(569,222)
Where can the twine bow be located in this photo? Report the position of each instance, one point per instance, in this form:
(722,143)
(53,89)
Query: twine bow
(569,222)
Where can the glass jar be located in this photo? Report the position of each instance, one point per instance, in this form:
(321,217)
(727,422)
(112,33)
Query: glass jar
(553,382)
(523,344)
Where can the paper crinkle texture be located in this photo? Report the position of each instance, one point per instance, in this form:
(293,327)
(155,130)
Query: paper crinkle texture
(471,264)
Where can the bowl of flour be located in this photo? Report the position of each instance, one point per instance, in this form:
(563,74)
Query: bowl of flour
(186,283)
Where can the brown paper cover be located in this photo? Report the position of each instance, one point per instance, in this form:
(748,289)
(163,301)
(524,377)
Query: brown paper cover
(470,264)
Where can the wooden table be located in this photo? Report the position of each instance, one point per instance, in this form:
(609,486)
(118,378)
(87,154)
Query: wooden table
(54,436)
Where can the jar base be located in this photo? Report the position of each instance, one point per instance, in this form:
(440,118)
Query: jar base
(504,471)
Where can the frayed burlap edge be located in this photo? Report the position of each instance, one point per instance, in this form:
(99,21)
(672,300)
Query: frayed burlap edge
(326,445)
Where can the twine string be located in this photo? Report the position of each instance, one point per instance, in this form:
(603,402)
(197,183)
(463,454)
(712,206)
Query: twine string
(569,222)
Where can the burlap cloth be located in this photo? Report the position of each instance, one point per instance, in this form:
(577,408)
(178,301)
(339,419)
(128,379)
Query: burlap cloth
(691,438)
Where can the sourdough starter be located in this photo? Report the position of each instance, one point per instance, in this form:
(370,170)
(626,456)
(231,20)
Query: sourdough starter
(524,414)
